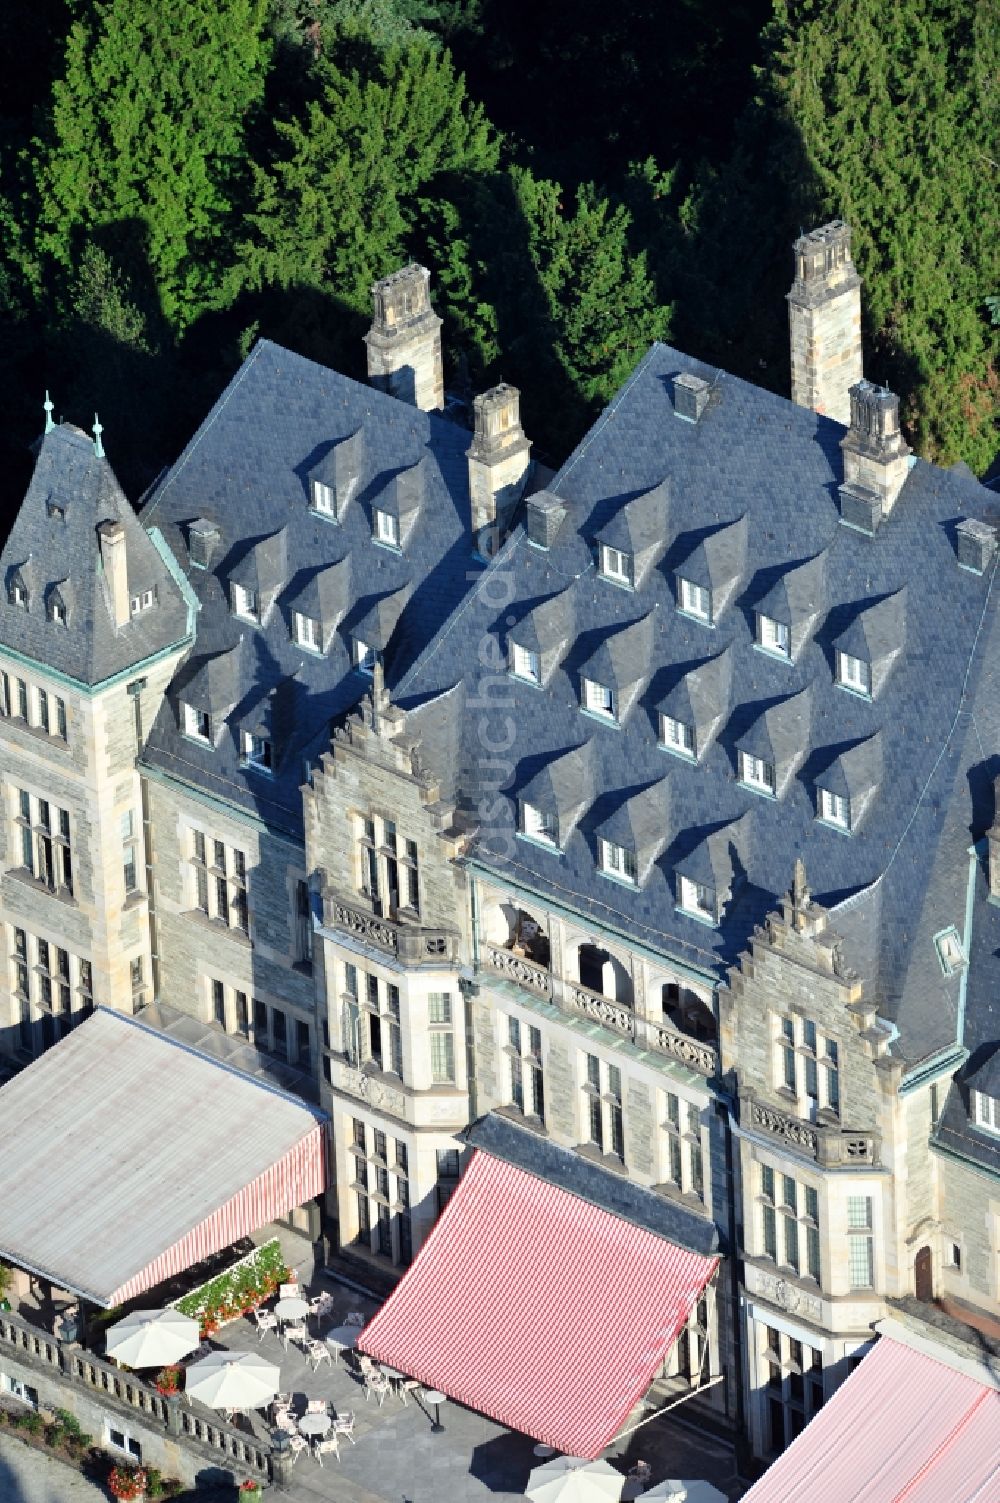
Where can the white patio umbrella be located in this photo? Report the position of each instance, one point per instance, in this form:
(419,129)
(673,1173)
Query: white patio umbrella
(571,1479)
(152,1338)
(675,1491)
(233,1380)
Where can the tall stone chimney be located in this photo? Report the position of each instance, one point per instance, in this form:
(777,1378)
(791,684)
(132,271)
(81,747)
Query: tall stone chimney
(499,465)
(112,542)
(404,341)
(824,321)
(876,459)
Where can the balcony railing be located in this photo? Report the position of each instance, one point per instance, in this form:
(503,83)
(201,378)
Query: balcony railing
(593,1005)
(829,1145)
(692,1052)
(517,968)
(413,943)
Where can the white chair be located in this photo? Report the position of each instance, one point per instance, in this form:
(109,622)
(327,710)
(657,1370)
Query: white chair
(343,1424)
(294,1332)
(379,1385)
(354,1318)
(316,1406)
(328,1443)
(317,1352)
(266,1321)
(288,1291)
(285,1420)
(297,1444)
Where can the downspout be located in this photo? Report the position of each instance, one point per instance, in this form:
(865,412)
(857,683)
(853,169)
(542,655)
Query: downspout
(134,691)
(743,1447)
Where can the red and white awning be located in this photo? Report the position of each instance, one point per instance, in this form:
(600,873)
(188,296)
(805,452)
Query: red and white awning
(538,1308)
(137,1157)
(909,1426)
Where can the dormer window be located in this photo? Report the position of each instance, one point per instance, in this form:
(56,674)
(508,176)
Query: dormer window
(255,751)
(538,824)
(197,724)
(834,810)
(18,594)
(245,603)
(695,600)
(386,528)
(141,602)
(616,565)
(525,664)
(599,699)
(306,632)
(951,956)
(618,861)
(756,773)
(323,499)
(985,1111)
(57,609)
(364,656)
(773,636)
(696,898)
(676,736)
(854,673)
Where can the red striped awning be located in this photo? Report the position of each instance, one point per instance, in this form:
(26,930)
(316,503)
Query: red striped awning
(906,1427)
(538,1308)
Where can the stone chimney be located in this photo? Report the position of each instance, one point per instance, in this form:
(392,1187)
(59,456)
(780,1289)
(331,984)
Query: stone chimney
(876,460)
(404,341)
(499,465)
(115,562)
(824,321)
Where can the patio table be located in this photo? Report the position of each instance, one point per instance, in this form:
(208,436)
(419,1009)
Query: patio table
(343,1338)
(292,1307)
(314,1424)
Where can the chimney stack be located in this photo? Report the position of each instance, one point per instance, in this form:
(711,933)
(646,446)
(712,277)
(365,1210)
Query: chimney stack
(404,341)
(824,321)
(499,465)
(115,563)
(876,460)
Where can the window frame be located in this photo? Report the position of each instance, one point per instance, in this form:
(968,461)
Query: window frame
(385,528)
(363,656)
(834,809)
(618,862)
(192,721)
(591,690)
(323,500)
(846,678)
(624,576)
(525,664)
(244,603)
(686,888)
(758,774)
(311,642)
(250,757)
(774,636)
(695,601)
(683,746)
(536,825)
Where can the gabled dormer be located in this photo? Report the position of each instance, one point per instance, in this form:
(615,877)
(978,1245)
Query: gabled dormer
(632,541)
(690,716)
(371,633)
(707,577)
(614,675)
(256,576)
(335,478)
(58,602)
(983,1086)
(847,785)
(206,691)
(552,802)
(395,510)
(317,607)
(630,839)
(866,650)
(787,615)
(539,640)
(715,863)
(770,752)
(20,585)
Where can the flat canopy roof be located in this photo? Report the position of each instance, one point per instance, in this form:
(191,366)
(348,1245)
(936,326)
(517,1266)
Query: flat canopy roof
(538,1308)
(912,1422)
(130,1157)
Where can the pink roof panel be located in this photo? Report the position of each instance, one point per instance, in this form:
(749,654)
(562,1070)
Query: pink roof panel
(538,1308)
(903,1428)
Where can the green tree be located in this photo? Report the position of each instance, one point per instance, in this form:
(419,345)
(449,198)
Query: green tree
(897,110)
(146,139)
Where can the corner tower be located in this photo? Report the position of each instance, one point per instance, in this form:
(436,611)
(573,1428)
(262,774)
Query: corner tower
(824,322)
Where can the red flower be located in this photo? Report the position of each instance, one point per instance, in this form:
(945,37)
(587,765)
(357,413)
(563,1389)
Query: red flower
(127,1482)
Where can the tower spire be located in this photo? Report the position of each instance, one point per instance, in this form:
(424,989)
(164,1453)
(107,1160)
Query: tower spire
(49,406)
(97,430)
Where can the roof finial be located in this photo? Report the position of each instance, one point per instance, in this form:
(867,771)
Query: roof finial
(97,430)
(49,406)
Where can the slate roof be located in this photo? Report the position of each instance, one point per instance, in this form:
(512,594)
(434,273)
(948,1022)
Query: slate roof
(753,493)
(281,424)
(53,545)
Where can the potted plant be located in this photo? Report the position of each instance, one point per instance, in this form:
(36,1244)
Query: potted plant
(168,1381)
(6,1279)
(127,1483)
(250,1491)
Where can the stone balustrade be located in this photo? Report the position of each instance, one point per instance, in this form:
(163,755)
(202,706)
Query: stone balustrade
(829,1145)
(598,1007)
(517,968)
(692,1052)
(413,943)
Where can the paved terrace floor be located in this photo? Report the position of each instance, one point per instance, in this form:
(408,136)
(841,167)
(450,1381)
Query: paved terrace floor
(397,1459)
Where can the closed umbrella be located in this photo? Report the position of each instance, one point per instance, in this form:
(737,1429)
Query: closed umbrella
(152,1338)
(233,1380)
(570,1479)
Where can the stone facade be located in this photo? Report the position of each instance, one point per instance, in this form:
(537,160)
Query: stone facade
(824,319)
(404,341)
(499,465)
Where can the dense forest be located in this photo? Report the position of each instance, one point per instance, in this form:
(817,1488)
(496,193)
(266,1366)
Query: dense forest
(177,179)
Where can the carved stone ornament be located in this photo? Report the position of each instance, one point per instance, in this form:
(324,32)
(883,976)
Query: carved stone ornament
(788,1296)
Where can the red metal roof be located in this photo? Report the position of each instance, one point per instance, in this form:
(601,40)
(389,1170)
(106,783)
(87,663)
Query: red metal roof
(538,1308)
(904,1428)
